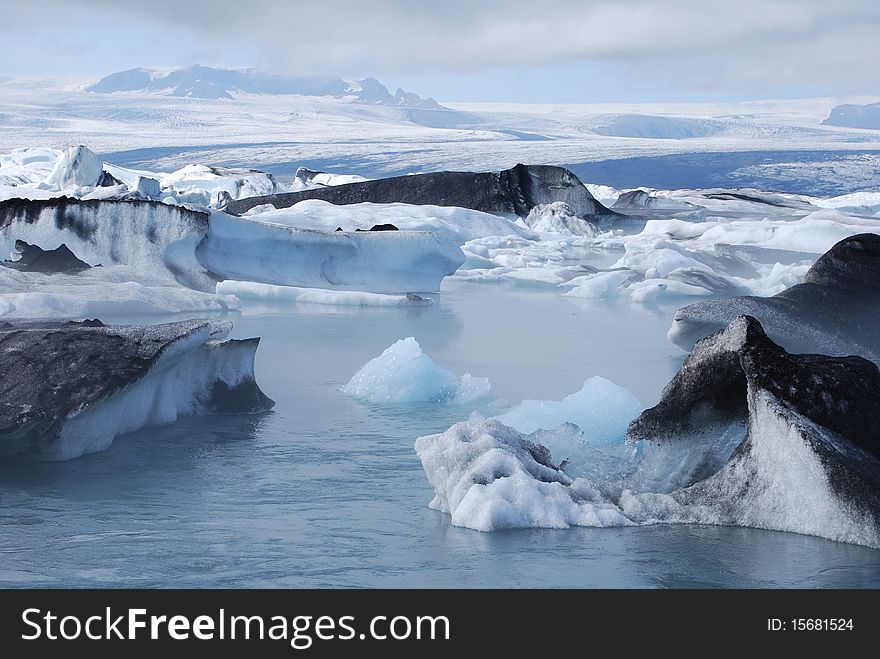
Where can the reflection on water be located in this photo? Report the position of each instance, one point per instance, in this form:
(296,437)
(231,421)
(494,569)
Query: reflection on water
(327,491)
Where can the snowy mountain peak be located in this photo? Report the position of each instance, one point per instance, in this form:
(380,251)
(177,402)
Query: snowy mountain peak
(211,83)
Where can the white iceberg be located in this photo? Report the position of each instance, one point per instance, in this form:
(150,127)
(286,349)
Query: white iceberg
(405,374)
(249,290)
(487,476)
(458,224)
(601,409)
(559,218)
(246,249)
(76,166)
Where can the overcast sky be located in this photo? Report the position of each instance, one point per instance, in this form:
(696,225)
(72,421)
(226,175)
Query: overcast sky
(482,50)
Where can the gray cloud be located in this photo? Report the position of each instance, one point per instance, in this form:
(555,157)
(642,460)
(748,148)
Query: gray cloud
(739,43)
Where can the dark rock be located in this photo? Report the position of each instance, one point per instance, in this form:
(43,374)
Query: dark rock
(37,259)
(835,311)
(379,227)
(515,190)
(57,372)
(339,228)
(94,322)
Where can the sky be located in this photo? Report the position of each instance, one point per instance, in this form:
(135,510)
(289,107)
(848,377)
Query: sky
(564,51)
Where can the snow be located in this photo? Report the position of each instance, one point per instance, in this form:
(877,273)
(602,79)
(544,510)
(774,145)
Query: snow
(76,166)
(405,374)
(247,249)
(457,224)
(247,290)
(177,385)
(601,409)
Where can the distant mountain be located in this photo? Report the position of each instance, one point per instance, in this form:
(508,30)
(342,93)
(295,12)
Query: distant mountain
(210,83)
(855,116)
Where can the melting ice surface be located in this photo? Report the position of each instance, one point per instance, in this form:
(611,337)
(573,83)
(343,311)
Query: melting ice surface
(327,491)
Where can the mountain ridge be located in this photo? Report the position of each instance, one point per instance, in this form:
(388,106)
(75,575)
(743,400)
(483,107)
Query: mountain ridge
(205,82)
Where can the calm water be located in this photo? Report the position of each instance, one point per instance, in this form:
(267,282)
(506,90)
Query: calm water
(327,491)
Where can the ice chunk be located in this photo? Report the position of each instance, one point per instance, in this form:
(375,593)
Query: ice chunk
(26,167)
(559,218)
(458,224)
(146,187)
(248,290)
(73,387)
(76,166)
(601,409)
(487,476)
(246,249)
(405,374)
(153,238)
(106,291)
(194,183)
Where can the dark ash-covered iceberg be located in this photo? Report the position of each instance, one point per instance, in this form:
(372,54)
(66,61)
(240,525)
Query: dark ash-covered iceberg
(69,388)
(810,459)
(834,311)
(517,190)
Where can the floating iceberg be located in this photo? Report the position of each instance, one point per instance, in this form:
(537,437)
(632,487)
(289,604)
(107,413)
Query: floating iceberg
(76,166)
(215,182)
(601,409)
(488,477)
(405,374)
(71,388)
(745,434)
(833,311)
(245,249)
(559,218)
(458,224)
(248,290)
(153,238)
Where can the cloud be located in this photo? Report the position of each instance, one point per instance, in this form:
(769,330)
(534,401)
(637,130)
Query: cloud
(738,43)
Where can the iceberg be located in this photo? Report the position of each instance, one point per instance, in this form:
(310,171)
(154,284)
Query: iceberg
(70,388)
(833,311)
(601,409)
(458,224)
(558,217)
(153,238)
(488,477)
(76,166)
(745,434)
(405,374)
(248,290)
(246,249)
